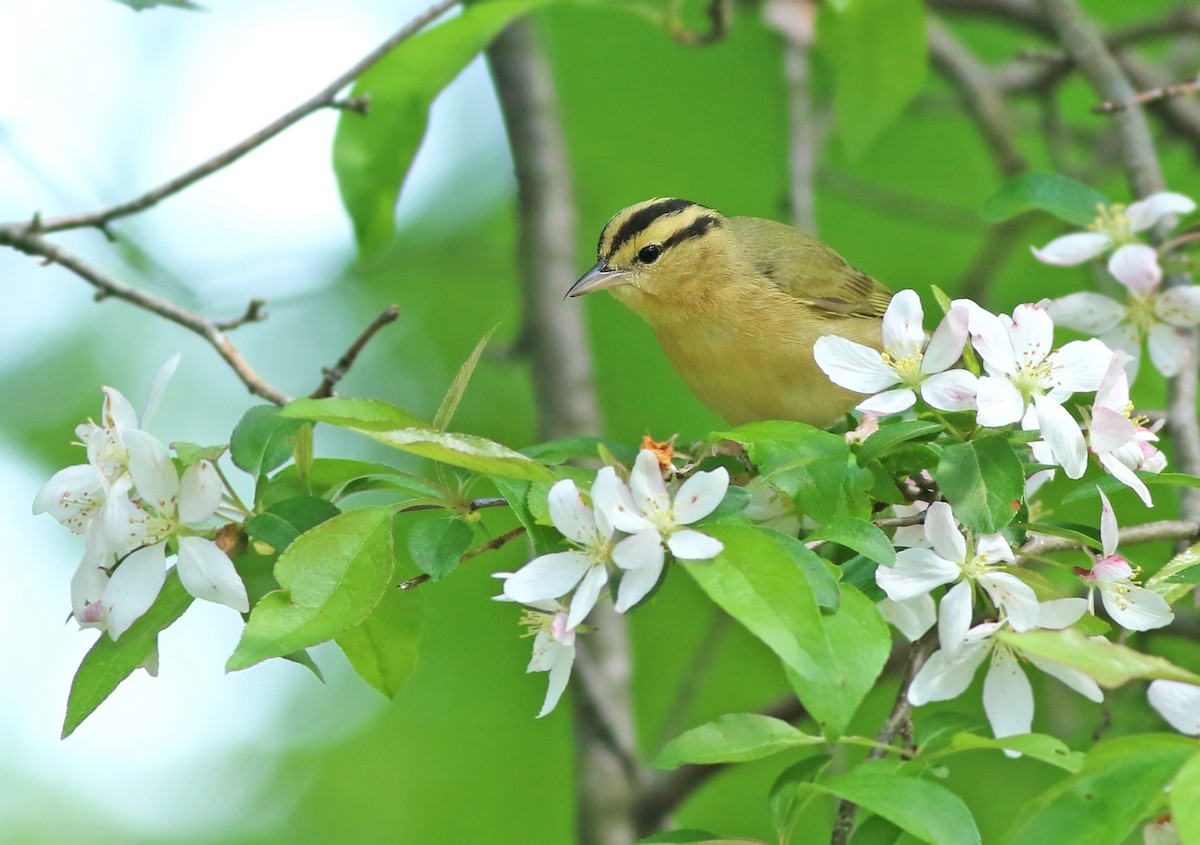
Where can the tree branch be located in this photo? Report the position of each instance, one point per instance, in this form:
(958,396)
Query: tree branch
(327,97)
(1174,530)
(107,285)
(336,373)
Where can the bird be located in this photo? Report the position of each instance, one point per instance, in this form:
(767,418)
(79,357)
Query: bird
(736,304)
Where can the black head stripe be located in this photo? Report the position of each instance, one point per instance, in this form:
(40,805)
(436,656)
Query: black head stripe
(642,218)
(697,229)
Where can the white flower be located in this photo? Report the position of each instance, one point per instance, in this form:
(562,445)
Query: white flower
(553,649)
(919,570)
(911,617)
(1028,380)
(1114,226)
(1121,444)
(1007,695)
(647,511)
(1149,313)
(1161,831)
(1178,703)
(1132,607)
(902,362)
(583,569)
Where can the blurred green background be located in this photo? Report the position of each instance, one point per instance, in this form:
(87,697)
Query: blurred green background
(272,755)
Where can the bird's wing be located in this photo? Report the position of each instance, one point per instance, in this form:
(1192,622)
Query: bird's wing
(806,269)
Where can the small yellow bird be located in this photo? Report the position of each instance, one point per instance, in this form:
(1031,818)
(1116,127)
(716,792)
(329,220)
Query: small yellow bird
(737,304)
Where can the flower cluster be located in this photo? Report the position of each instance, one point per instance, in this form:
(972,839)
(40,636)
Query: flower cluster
(134,507)
(627,527)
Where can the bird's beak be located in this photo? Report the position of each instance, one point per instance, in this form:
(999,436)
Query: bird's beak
(599,277)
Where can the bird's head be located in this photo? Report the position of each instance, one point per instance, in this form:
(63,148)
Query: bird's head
(650,253)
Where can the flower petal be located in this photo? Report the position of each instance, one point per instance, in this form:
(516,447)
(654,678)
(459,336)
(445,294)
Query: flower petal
(1093,313)
(999,402)
(1079,367)
(852,365)
(199,493)
(207,573)
(1168,348)
(1057,614)
(990,338)
(903,325)
(72,496)
(87,591)
(1179,306)
(946,345)
(570,515)
(1136,267)
(1031,333)
(1126,338)
(946,675)
(953,390)
(641,556)
(1178,703)
(1014,596)
(912,617)
(1072,249)
(158,388)
(1145,213)
(699,495)
(1007,697)
(547,577)
(1072,677)
(1135,608)
(585,595)
(646,484)
(693,545)
(941,528)
(888,402)
(613,499)
(915,572)
(954,616)
(1062,434)
(1120,471)
(133,588)
(117,412)
(153,473)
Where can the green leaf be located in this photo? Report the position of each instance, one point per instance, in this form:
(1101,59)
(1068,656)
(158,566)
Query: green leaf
(143,5)
(108,663)
(1065,198)
(545,538)
(792,792)
(1042,747)
(756,581)
(332,578)
(983,482)
(562,450)
(889,437)
(263,439)
(372,152)
(1108,663)
(1173,581)
(190,453)
(814,467)
(335,478)
(383,647)
(1170,479)
(445,412)
(692,836)
(1120,784)
(281,524)
(821,574)
(859,643)
(926,810)
(733,738)
(437,544)
(1082,534)
(464,450)
(876,49)
(347,412)
(862,536)
(1185,809)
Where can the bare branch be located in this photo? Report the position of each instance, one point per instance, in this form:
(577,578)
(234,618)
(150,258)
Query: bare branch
(1151,532)
(255,312)
(107,286)
(1141,98)
(336,373)
(327,97)
(1016,12)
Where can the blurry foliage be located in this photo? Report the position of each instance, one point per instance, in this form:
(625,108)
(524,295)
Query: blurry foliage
(458,756)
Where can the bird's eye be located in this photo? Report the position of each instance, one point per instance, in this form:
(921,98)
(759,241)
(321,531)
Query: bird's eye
(649,253)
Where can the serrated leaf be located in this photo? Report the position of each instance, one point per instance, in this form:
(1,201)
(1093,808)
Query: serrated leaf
(862,536)
(331,577)
(108,663)
(372,152)
(733,738)
(383,647)
(436,545)
(445,412)
(1184,567)
(263,439)
(924,809)
(468,451)
(1042,747)
(349,412)
(1120,784)
(1109,664)
(1059,195)
(983,482)
(876,49)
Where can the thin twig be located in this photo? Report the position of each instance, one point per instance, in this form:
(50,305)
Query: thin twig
(1174,530)
(489,546)
(332,375)
(325,98)
(255,312)
(898,723)
(106,286)
(1141,98)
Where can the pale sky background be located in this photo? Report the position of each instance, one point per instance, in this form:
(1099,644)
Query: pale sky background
(100,103)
